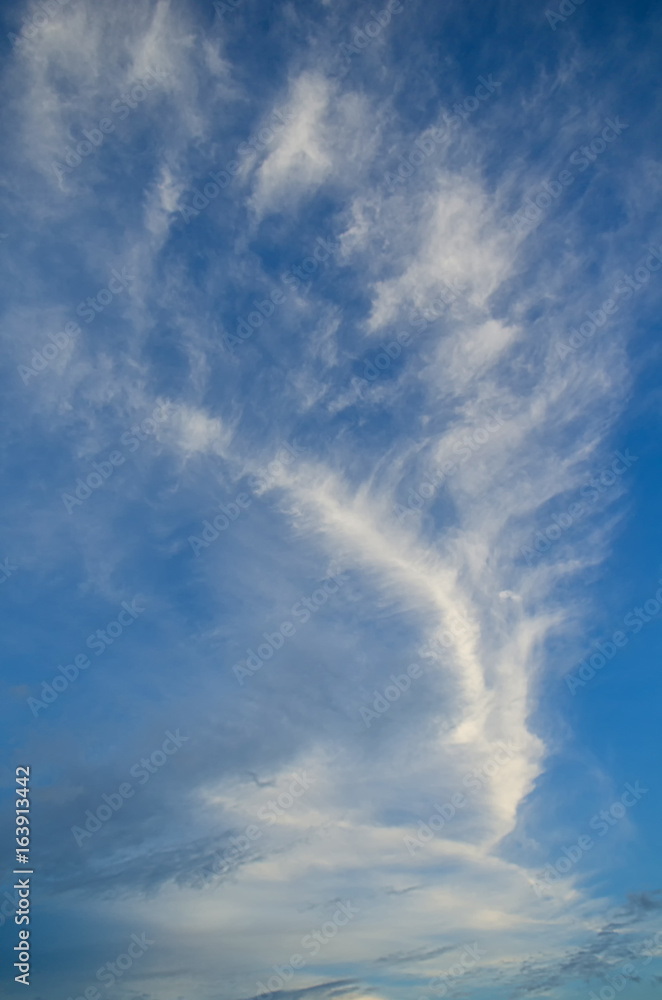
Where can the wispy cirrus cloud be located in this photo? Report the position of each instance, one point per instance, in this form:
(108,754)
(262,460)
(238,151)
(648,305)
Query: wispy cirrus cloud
(332,507)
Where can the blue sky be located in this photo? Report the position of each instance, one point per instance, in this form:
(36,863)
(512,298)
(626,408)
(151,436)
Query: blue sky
(331,522)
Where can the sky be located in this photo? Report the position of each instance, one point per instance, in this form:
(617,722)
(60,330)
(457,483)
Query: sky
(330,558)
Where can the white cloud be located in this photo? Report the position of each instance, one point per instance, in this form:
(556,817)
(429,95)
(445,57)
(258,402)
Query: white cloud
(326,130)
